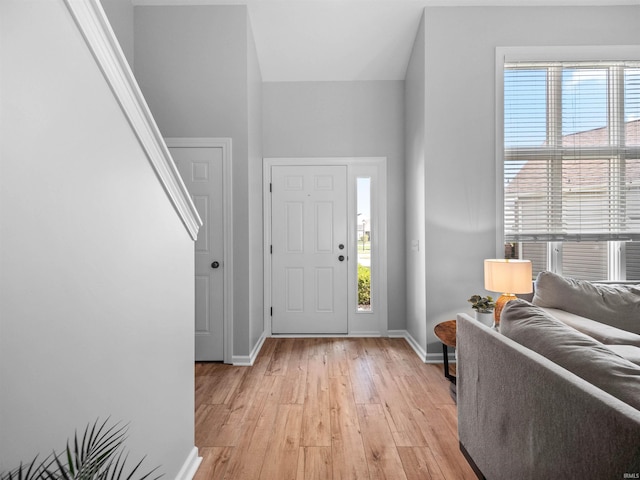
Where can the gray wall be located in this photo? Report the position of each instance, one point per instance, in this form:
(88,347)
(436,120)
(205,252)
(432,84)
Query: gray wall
(96,268)
(198,70)
(120,15)
(346,119)
(256,249)
(460,168)
(414,96)
(195,89)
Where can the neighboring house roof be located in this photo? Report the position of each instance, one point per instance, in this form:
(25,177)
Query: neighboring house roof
(600,136)
(580,174)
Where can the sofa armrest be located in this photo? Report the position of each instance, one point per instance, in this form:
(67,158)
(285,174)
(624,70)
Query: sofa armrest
(522,416)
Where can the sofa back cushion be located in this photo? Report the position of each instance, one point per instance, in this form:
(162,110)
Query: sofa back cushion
(535,329)
(616,305)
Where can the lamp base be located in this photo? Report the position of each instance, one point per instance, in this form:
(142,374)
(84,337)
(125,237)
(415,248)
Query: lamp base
(500,303)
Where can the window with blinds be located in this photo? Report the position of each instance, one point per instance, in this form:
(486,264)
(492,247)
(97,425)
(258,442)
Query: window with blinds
(632,261)
(572,163)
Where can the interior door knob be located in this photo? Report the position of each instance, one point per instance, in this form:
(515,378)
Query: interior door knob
(215,264)
(341,258)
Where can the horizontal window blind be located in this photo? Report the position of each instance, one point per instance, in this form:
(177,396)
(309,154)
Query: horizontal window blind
(572,152)
(537,253)
(632,261)
(585,260)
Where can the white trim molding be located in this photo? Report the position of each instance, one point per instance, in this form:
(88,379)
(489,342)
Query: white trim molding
(190,465)
(227,224)
(99,37)
(424,356)
(249,360)
(412,342)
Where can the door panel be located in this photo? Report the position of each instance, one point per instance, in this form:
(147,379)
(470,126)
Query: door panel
(201,171)
(309,223)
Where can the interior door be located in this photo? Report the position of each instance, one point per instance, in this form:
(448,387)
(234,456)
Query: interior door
(201,171)
(309,249)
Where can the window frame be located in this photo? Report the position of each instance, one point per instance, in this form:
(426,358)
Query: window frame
(616,249)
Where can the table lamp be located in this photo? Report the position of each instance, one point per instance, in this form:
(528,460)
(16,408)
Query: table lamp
(507,277)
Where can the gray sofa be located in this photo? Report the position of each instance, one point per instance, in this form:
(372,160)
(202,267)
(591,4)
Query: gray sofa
(551,397)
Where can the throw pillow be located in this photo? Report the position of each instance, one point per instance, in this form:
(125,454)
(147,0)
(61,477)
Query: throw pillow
(630,352)
(599,331)
(535,329)
(616,305)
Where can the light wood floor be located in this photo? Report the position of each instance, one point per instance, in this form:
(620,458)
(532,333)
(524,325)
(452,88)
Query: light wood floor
(328,409)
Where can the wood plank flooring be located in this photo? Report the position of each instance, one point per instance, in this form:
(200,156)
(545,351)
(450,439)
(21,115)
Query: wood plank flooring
(327,409)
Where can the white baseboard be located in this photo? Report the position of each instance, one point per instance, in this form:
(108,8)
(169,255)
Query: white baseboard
(365,333)
(248,360)
(358,334)
(437,358)
(411,341)
(257,348)
(424,356)
(190,465)
(397,333)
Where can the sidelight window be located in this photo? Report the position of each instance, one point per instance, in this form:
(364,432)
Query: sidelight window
(363,242)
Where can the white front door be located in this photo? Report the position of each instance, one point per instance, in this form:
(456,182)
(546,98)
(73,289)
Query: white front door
(309,249)
(201,171)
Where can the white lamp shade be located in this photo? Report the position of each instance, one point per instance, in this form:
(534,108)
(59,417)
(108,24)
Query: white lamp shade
(508,276)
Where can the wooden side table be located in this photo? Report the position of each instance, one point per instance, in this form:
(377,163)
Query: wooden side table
(446,333)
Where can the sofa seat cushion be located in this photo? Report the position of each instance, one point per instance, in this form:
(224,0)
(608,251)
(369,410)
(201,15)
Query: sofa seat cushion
(600,331)
(615,305)
(582,355)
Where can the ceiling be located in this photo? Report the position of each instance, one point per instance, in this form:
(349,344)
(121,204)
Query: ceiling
(334,40)
(343,40)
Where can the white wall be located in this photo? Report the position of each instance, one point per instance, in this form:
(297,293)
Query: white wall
(460,172)
(414,105)
(346,119)
(96,268)
(198,74)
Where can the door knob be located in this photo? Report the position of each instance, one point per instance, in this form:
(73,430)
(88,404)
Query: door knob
(215,264)
(341,258)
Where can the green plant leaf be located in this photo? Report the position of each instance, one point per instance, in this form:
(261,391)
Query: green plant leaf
(98,456)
